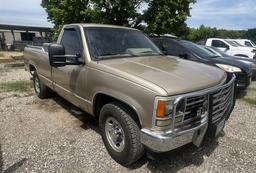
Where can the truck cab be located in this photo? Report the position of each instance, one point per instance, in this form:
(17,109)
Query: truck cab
(246,42)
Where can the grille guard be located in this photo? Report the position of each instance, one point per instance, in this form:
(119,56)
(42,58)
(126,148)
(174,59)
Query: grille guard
(228,107)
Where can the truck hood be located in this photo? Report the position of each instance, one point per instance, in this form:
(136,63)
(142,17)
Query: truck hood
(174,75)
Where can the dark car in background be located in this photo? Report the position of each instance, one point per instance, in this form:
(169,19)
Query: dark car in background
(191,51)
(252,62)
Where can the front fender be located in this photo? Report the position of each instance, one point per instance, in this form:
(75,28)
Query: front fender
(133,103)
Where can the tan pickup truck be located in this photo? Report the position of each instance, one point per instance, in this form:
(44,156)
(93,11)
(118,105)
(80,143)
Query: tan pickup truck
(144,100)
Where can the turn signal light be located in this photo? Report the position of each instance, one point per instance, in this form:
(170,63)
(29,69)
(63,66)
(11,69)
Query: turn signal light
(161,108)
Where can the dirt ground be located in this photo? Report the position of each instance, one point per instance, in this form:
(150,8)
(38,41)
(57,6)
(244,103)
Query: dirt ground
(54,136)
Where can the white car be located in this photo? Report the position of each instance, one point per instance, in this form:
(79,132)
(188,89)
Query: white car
(231,47)
(245,42)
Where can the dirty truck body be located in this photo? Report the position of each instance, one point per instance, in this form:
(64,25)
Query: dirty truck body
(143,99)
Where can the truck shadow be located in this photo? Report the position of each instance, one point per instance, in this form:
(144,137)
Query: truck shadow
(171,161)
(89,121)
(178,159)
(241,94)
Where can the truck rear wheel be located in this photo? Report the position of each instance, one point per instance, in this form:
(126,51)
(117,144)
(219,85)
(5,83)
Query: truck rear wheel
(41,90)
(120,133)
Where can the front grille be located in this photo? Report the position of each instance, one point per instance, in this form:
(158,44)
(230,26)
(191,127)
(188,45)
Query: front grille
(191,109)
(195,106)
(216,103)
(221,102)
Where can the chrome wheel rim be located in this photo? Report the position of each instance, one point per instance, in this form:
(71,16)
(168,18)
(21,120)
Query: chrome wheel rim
(115,134)
(37,87)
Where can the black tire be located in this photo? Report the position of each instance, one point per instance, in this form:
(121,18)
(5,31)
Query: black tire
(42,91)
(133,148)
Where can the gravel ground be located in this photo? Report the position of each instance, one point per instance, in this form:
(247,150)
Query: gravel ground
(53,136)
(7,74)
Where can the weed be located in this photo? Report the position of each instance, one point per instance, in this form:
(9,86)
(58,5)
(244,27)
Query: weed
(250,101)
(18,86)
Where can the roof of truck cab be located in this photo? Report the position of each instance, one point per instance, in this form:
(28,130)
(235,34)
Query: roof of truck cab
(100,25)
(216,39)
(243,39)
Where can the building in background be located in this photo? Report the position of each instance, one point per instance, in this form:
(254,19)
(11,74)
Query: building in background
(15,37)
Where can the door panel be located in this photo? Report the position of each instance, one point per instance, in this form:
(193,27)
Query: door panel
(70,80)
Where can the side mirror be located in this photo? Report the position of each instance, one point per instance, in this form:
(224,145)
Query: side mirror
(58,58)
(227,47)
(56,55)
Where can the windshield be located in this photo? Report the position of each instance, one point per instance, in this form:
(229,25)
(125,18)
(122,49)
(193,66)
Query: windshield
(233,43)
(107,43)
(198,50)
(219,51)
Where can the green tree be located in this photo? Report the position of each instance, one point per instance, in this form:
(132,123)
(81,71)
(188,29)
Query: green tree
(117,12)
(233,34)
(62,12)
(201,33)
(167,16)
(251,34)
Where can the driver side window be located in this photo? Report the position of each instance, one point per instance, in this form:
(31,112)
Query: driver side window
(219,43)
(71,41)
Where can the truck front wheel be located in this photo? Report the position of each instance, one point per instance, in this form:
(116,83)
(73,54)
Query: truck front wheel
(41,90)
(120,133)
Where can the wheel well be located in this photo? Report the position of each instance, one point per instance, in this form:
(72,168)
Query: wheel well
(32,69)
(102,99)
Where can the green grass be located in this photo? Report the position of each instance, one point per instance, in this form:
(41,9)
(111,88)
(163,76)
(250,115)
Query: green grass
(250,101)
(1,54)
(16,86)
(252,89)
(14,64)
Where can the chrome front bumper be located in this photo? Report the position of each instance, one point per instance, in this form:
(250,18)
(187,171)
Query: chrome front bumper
(160,141)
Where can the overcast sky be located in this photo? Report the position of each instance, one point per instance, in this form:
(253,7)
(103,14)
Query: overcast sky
(228,14)
(23,12)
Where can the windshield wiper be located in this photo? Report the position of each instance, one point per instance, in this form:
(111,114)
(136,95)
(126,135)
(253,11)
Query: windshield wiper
(149,52)
(113,55)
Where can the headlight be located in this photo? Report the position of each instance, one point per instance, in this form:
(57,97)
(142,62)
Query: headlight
(164,112)
(164,108)
(229,68)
